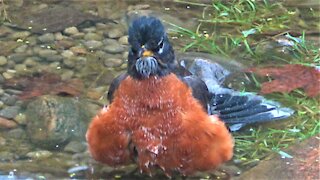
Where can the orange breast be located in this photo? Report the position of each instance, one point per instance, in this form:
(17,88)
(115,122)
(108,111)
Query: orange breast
(159,121)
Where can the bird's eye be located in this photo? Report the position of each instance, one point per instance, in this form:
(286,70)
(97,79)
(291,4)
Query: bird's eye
(159,48)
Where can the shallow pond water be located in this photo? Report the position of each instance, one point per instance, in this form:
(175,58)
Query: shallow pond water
(71,58)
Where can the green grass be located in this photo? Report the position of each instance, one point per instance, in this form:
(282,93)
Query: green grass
(236,29)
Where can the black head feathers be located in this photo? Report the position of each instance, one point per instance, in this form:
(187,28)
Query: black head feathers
(146,30)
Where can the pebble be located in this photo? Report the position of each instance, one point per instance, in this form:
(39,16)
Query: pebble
(18,57)
(71,31)
(9,74)
(78,50)
(1,92)
(2,141)
(31,41)
(75,147)
(3,60)
(8,99)
(69,62)
(30,62)
(10,112)
(20,68)
(114,48)
(21,49)
(21,119)
(45,53)
(58,36)
(93,45)
(20,35)
(89,29)
(93,36)
(67,75)
(7,124)
(41,154)
(54,58)
(115,33)
(16,133)
(6,156)
(123,40)
(67,54)
(112,62)
(46,38)
(79,35)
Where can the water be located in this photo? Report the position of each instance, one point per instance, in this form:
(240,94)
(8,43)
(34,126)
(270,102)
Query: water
(86,58)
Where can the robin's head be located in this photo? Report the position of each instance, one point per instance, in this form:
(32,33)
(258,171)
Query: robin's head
(151,53)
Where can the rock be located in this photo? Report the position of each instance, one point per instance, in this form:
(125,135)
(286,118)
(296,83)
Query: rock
(20,68)
(112,62)
(30,62)
(2,141)
(7,124)
(67,75)
(8,99)
(303,163)
(93,45)
(20,35)
(93,36)
(69,62)
(21,49)
(78,50)
(79,35)
(43,154)
(7,47)
(18,57)
(64,44)
(71,31)
(113,47)
(89,29)
(67,54)
(115,32)
(46,53)
(3,60)
(75,147)
(16,133)
(9,74)
(21,119)
(5,31)
(9,112)
(123,40)
(53,121)
(6,156)
(46,38)
(54,58)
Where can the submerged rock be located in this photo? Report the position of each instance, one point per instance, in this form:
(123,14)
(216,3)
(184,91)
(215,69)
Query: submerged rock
(53,19)
(52,121)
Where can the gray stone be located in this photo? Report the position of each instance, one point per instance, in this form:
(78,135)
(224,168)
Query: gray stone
(115,32)
(71,31)
(123,40)
(69,62)
(75,147)
(30,62)
(54,120)
(112,62)
(20,35)
(93,36)
(79,35)
(114,48)
(20,68)
(21,49)
(2,141)
(3,60)
(54,58)
(8,99)
(18,57)
(67,75)
(16,133)
(46,38)
(42,154)
(45,53)
(67,54)
(10,112)
(89,29)
(108,41)
(93,45)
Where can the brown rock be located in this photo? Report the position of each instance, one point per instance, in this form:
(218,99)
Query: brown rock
(6,123)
